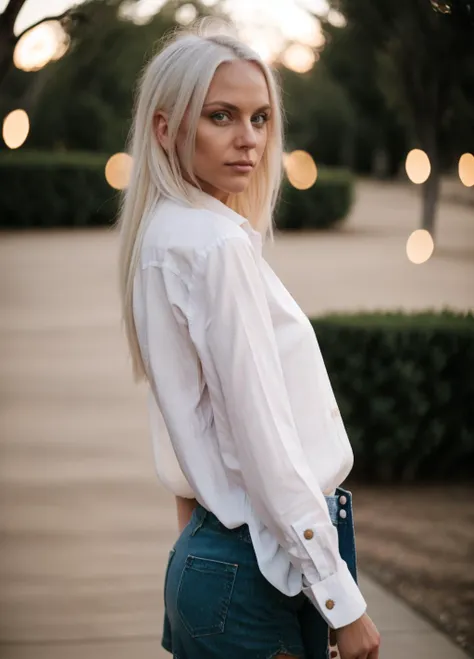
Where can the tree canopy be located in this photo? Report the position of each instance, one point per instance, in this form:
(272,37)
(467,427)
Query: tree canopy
(397,75)
(423,55)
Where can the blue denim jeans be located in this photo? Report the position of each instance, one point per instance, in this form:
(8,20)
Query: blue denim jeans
(218,605)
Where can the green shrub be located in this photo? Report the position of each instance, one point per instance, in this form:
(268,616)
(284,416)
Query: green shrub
(68,189)
(48,189)
(327,202)
(405,388)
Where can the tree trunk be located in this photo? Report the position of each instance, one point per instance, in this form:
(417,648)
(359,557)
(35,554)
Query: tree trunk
(7,35)
(7,46)
(431,195)
(429,132)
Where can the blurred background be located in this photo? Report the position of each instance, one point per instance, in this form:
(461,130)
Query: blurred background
(375,240)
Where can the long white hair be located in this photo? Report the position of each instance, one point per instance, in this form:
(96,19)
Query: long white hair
(175,79)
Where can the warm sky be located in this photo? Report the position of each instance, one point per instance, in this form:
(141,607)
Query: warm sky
(287,17)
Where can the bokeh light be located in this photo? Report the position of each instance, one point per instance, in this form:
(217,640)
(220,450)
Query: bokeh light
(40,45)
(420,246)
(186,14)
(336,18)
(300,169)
(466,169)
(418,167)
(118,170)
(318,40)
(441,6)
(299,58)
(267,43)
(16,127)
(266,52)
(302,27)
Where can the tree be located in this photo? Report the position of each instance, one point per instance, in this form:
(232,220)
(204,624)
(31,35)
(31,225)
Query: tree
(8,38)
(324,124)
(379,140)
(86,100)
(425,62)
(83,101)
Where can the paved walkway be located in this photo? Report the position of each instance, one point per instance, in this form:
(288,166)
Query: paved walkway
(85,526)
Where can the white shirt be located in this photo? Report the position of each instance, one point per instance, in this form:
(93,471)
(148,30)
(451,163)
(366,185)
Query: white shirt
(236,373)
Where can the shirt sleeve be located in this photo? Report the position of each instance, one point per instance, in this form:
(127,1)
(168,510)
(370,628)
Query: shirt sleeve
(283,490)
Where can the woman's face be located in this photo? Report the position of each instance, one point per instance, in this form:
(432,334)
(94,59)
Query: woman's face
(232,129)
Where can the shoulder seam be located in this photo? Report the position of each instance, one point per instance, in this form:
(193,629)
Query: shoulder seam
(202,253)
(153,263)
(170,268)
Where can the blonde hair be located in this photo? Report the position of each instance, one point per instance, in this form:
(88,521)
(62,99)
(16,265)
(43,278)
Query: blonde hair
(175,79)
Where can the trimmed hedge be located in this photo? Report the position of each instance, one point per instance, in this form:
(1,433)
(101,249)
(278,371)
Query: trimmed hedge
(405,388)
(42,189)
(54,189)
(323,205)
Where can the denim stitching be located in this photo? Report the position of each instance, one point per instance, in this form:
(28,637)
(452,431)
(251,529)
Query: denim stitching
(228,565)
(224,606)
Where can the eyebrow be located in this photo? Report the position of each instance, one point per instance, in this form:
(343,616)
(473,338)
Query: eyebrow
(234,107)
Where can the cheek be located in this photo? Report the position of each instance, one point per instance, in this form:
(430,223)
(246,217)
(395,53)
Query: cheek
(210,143)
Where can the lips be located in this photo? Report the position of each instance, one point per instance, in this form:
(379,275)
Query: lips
(241,168)
(244,163)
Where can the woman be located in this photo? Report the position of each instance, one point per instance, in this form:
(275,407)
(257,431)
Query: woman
(256,444)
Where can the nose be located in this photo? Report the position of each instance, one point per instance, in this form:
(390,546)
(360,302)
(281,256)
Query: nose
(246,138)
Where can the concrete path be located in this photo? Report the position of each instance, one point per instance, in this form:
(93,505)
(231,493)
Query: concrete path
(85,526)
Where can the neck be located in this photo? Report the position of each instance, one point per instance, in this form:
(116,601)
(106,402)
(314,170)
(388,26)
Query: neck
(218,194)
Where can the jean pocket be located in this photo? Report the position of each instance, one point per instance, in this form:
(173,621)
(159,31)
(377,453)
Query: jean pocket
(204,595)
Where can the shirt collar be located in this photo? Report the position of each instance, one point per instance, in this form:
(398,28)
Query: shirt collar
(205,200)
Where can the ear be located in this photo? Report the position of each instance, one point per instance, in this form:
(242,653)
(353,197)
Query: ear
(160,126)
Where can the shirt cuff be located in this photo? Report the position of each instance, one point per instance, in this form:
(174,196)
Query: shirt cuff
(337,598)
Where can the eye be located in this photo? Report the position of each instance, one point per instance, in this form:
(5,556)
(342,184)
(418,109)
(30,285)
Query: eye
(263,116)
(220,116)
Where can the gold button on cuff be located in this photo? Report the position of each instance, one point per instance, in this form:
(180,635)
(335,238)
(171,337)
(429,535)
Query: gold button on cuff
(308,534)
(330,604)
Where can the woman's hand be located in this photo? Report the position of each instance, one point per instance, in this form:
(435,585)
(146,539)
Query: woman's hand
(359,640)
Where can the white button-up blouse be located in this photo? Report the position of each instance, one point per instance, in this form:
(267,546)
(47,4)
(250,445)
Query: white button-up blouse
(235,372)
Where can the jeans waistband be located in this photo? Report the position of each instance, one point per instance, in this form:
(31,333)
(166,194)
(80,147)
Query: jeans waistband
(339,507)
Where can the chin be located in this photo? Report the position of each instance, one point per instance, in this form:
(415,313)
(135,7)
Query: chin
(237,185)
(225,186)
